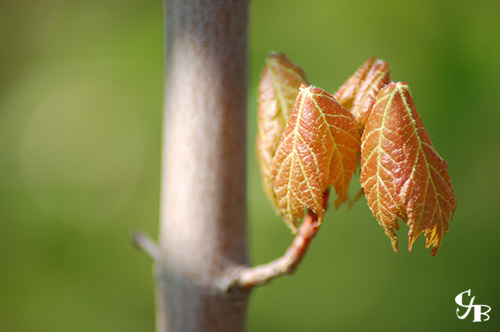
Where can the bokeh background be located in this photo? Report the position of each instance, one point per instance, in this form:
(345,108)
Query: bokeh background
(80,130)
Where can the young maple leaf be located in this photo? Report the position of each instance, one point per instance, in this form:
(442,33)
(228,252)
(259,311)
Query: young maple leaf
(401,172)
(319,147)
(278,90)
(358,93)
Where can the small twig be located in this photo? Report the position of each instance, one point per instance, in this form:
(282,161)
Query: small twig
(143,242)
(259,275)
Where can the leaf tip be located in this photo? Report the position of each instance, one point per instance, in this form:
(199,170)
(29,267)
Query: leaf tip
(358,93)
(394,239)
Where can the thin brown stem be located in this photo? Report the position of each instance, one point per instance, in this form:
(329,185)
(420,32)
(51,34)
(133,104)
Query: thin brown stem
(286,264)
(250,277)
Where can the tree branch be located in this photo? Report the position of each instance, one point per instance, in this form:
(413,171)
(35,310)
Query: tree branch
(250,277)
(286,264)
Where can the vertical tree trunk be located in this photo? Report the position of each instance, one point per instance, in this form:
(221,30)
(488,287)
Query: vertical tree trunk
(203,209)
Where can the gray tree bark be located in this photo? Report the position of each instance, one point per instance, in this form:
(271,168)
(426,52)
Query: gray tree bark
(202,240)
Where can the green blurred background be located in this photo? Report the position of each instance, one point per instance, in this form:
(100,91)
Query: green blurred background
(80,131)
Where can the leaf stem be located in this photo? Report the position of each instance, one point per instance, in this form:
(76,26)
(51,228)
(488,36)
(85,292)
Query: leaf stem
(250,277)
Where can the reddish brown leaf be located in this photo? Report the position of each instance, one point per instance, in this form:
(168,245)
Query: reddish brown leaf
(359,91)
(278,90)
(319,147)
(402,174)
